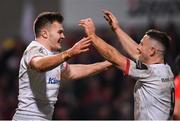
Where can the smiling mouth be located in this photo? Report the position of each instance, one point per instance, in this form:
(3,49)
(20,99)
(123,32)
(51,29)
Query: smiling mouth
(59,41)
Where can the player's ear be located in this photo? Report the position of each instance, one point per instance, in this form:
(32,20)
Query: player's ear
(152,51)
(44,33)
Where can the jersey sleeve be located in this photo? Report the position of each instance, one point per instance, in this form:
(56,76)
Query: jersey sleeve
(35,51)
(177,87)
(137,70)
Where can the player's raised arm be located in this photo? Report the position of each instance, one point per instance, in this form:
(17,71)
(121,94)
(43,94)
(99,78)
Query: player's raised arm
(49,62)
(129,45)
(106,50)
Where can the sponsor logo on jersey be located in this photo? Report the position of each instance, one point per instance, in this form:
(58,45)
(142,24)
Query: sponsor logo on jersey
(165,79)
(53,81)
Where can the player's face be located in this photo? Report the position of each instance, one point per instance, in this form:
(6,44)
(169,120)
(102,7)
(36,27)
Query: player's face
(144,49)
(56,35)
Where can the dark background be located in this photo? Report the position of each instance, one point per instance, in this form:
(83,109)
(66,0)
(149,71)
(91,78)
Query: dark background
(108,95)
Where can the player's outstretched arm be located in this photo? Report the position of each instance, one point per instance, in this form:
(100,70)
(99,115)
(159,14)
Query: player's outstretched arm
(106,50)
(50,62)
(129,45)
(110,53)
(77,71)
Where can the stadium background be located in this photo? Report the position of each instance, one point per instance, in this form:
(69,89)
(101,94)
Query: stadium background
(108,95)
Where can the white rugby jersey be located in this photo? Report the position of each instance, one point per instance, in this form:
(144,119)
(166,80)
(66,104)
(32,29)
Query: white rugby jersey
(38,91)
(153,91)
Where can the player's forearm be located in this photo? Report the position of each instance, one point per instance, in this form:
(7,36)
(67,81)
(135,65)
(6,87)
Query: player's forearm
(80,70)
(50,62)
(129,45)
(176,115)
(109,52)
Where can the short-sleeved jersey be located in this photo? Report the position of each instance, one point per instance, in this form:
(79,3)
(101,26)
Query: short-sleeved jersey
(153,91)
(38,91)
(177,87)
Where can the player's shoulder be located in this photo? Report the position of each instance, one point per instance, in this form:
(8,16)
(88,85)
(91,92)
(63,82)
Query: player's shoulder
(34,46)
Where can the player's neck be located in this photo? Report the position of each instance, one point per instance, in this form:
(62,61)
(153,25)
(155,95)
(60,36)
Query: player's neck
(156,61)
(43,42)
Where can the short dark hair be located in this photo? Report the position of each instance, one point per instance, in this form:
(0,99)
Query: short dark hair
(45,18)
(161,37)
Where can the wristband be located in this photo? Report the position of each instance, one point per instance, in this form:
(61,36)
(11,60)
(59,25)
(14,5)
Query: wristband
(66,55)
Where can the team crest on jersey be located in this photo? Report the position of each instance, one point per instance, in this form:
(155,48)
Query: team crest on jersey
(140,65)
(41,50)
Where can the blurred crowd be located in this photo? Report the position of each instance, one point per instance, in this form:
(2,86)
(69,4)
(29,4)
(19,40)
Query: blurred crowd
(108,95)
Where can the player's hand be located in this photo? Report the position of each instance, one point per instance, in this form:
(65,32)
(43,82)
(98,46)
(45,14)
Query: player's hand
(111,19)
(80,47)
(88,26)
